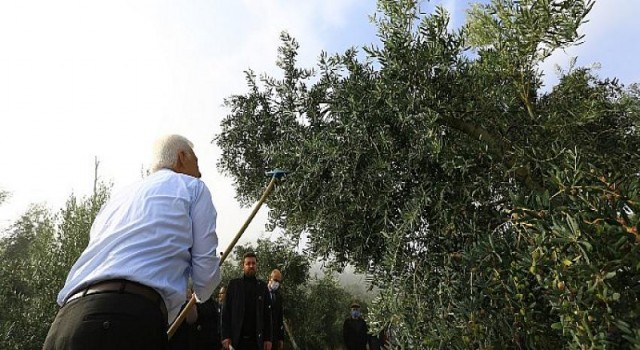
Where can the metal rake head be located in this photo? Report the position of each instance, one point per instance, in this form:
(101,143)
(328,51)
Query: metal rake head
(277,173)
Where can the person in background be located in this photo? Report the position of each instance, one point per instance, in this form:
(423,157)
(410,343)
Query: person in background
(246,317)
(144,245)
(221,296)
(199,329)
(204,333)
(354,330)
(277,317)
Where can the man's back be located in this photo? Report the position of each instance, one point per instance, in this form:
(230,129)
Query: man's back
(147,228)
(144,245)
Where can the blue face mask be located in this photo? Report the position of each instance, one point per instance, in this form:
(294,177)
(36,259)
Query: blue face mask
(355,313)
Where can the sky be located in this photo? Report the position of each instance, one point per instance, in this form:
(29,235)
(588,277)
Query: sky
(81,80)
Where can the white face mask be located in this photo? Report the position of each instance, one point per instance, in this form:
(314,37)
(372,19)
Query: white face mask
(274,285)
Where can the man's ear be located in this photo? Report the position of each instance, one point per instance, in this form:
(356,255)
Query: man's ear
(182,159)
(182,156)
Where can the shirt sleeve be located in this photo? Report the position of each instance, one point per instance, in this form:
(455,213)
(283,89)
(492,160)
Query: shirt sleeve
(205,269)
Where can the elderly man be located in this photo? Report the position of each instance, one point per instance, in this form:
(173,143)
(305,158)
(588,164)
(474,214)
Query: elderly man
(145,243)
(277,317)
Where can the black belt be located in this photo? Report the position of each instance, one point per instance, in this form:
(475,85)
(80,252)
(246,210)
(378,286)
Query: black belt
(122,286)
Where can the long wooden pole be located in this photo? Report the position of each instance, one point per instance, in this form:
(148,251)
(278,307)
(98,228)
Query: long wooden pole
(183,314)
(288,329)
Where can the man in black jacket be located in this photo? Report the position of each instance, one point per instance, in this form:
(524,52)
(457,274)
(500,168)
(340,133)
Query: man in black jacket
(354,330)
(277,317)
(246,318)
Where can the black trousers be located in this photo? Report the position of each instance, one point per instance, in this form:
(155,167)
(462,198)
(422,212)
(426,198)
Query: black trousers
(108,321)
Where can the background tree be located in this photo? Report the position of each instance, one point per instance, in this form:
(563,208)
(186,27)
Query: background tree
(439,165)
(281,254)
(323,313)
(19,294)
(36,256)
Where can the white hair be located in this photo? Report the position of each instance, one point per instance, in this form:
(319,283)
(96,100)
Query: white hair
(166,149)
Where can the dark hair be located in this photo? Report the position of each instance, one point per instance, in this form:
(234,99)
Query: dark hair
(249,255)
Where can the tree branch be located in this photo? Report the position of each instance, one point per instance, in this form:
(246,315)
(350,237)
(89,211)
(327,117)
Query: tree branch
(498,146)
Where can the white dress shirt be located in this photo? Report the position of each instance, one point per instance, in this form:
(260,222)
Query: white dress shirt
(158,232)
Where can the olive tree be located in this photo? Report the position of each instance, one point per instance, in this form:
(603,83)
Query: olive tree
(36,254)
(439,165)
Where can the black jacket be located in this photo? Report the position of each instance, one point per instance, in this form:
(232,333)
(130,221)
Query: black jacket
(233,312)
(354,332)
(277,317)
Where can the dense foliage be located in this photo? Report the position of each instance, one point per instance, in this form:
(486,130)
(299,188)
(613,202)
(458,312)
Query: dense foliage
(493,213)
(35,257)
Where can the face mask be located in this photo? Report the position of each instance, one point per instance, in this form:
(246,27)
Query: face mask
(355,313)
(274,285)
